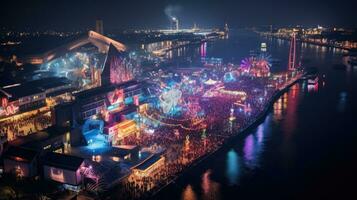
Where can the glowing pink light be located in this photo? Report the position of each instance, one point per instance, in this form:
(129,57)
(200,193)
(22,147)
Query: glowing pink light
(121,70)
(203,49)
(206,182)
(249,148)
(246,64)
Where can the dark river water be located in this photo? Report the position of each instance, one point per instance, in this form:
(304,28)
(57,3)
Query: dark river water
(304,149)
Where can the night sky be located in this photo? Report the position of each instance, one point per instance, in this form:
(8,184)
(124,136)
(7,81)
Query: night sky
(123,14)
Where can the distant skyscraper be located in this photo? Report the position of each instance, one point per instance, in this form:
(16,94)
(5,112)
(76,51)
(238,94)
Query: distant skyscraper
(194,26)
(226,29)
(99,26)
(175,24)
(263,47)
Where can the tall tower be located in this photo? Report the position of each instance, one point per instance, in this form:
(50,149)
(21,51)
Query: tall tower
(226,29)
(292,53)
(99,27)
(175,24)
(194,26)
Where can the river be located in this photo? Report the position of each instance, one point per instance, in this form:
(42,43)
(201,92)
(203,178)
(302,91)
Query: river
(305,147)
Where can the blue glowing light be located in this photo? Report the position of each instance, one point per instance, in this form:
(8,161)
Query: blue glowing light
(93,133)
(232,167)
(229,77)
(97,145)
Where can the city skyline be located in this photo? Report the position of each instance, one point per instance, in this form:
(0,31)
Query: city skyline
(68,15)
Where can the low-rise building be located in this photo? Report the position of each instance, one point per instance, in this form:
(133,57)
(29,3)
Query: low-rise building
(108,97)
(21,161)
(63,168)
(51,139)
(20,98)
(149,167)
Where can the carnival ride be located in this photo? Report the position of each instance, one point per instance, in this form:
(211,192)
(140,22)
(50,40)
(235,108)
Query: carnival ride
(169,100)
(177,103)
(229,77)
(178,99)
(258,66)
(246,64)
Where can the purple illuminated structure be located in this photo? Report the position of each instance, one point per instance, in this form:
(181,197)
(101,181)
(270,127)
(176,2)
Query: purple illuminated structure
(246,64)
(256,66)
(117,68)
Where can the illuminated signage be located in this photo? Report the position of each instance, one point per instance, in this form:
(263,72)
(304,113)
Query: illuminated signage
(10,109)
(57,175)
(113,129)
(4,102)
(136,100)
(116,97)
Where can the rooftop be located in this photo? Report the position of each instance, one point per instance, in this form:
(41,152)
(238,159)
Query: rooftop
(50,82)
(20,154)
(122,152)
(104,89)
(4,81)
(21,90)
(149,162)
(62,161)
(36,139)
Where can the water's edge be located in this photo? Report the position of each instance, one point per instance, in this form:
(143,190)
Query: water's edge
(243,132)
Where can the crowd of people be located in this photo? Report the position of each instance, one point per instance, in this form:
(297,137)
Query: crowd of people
(184,147)
(13,128)
(222,118)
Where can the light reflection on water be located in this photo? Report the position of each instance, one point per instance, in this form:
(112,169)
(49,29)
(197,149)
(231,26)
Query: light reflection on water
(253,146)
(290,108)
(341,106)
(313,88)
(248,155)
(232,167)
(278,109)
(236,161)
(210,188)
(188,193)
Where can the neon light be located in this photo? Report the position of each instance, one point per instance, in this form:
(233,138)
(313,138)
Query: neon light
(121,70)
(169,99)
(116,97)
(57,174)
(229,77)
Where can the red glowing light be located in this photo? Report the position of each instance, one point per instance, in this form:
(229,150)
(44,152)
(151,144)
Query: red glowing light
(4,102)
(115,97)
(136,100)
